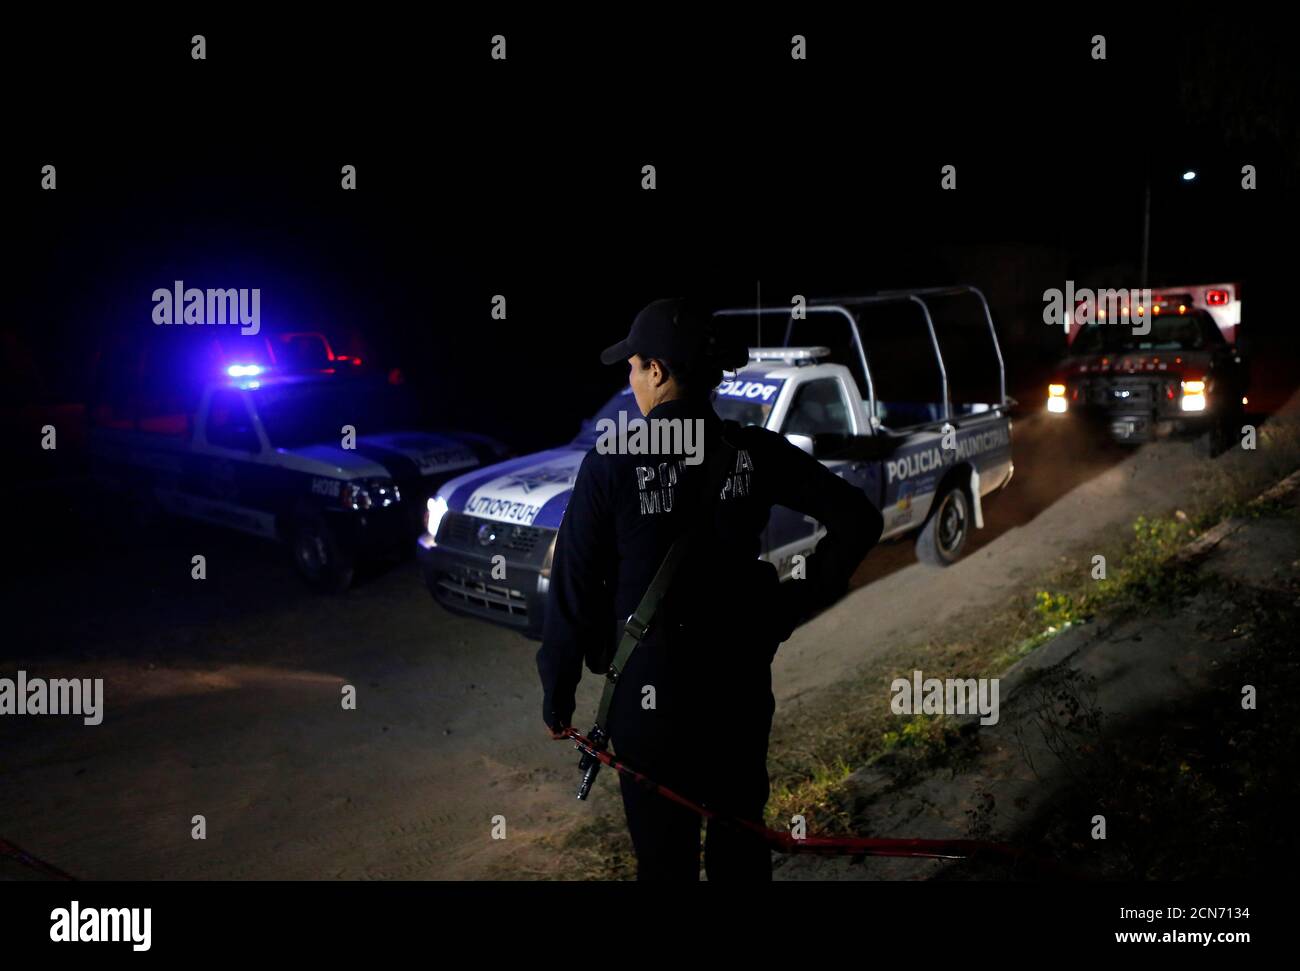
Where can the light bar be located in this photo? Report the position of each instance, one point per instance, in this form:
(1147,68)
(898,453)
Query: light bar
(788,353)
(244,370)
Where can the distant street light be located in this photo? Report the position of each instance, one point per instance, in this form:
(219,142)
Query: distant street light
(1189,175)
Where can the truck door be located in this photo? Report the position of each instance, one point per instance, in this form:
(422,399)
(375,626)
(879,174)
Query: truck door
(820,405)
(863,473)
(229,487)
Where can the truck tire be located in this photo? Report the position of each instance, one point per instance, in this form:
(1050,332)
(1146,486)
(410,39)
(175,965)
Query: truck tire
(318,557)
(1221,435)
(943,536)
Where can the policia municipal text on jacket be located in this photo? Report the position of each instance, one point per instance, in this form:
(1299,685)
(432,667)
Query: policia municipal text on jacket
(702,671)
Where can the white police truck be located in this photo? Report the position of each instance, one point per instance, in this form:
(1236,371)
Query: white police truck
(906,424)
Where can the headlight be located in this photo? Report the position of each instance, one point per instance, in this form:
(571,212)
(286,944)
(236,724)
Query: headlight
(1056,399)
(437,508)
(1193,396)
(384,492)
(354,495)
(370,494)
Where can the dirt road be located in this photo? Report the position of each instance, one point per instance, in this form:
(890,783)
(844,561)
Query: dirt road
(223,697)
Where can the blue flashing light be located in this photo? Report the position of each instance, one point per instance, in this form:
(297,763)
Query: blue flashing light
(244,370)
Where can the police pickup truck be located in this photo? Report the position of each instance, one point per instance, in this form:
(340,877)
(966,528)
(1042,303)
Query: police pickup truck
(267,454)
(1143,373)
(926,464)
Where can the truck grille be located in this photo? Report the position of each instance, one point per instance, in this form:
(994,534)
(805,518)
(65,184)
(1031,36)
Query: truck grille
(1127,395)
(475,590)
(460,530)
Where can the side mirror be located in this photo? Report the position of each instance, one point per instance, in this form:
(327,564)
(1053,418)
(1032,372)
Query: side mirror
(803,442)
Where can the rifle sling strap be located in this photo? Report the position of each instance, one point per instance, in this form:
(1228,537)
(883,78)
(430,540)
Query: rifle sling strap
(637,625)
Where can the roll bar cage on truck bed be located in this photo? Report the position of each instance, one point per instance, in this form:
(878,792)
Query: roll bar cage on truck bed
(850,309)
(925,463)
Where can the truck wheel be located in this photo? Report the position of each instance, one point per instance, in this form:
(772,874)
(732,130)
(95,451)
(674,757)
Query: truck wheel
(944,534)
(1220,436)
(318,557)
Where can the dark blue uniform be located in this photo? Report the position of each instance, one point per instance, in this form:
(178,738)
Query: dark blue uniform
(709,651)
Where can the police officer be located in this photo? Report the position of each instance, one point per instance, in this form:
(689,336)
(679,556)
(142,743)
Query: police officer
(693,706)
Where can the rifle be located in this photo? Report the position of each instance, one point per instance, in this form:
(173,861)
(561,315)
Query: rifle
(721,461)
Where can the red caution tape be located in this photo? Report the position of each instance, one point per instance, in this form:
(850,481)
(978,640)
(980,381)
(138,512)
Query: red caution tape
(22,856)
(827,845)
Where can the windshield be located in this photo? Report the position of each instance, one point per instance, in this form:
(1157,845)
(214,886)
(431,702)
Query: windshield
(1182,332)
(744,412)
(312,414)
(747,397)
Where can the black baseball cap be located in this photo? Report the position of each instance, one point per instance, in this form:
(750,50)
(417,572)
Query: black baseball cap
(668,329)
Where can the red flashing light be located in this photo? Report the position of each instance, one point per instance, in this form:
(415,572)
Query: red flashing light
(1216,298)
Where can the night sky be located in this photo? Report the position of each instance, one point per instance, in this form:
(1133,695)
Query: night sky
(522,178)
